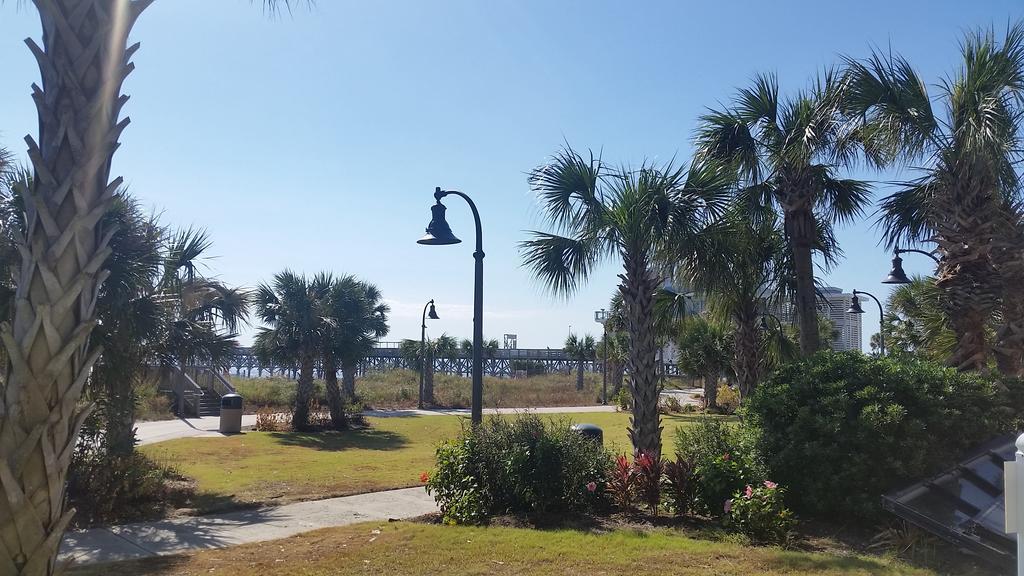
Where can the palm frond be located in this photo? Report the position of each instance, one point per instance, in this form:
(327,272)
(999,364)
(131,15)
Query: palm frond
(561,264)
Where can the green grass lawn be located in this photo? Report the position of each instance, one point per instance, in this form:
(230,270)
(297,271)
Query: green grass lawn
(279,467)
(407,548)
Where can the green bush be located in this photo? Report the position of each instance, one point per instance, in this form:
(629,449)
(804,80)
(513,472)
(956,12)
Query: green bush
(841,429)
(724,457)
(524,465)
(760,513)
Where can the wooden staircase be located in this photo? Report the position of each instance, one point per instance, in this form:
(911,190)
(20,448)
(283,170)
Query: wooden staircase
(209,403)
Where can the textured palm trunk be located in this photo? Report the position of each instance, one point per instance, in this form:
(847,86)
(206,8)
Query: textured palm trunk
(747,363)
(120,417)
(965,275)
(637,289)
(711,391)
(1008,260)
(303,393)
(334,401)
(618,373)
(800,231)
(348,380)
(82,63)
(579,375)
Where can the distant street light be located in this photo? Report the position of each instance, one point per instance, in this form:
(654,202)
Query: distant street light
(423,344)
(439,233)
(897,275)
(601,317)
(855,308)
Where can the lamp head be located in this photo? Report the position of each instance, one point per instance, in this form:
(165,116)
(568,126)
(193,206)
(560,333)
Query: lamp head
(855,305)
(896,275)
(432,314)
(438,231)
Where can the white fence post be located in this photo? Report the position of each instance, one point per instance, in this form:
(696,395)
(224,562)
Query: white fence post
(1013,494)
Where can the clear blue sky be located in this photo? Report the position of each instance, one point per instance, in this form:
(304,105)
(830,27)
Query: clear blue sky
(315,141)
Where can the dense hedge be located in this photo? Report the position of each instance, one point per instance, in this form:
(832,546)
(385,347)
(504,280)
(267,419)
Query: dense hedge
(524,465)
(840,429)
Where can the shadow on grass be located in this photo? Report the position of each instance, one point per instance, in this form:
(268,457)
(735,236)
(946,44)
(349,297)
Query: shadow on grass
(820,563)
(164,565)
(365,439)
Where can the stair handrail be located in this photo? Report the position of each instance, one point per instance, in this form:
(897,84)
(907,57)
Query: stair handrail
(218,383)
(186,389)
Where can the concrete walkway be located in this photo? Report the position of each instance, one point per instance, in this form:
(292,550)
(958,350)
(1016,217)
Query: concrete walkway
(180,535)
(161,430)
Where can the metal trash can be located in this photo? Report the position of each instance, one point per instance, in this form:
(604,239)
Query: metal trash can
(591,431)
(230,414)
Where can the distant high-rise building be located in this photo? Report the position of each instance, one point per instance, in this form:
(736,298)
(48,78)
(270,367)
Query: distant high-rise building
(833,304)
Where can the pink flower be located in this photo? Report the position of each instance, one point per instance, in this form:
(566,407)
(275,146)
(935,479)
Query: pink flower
(728,506)
(725,456)
(591,486)
(770,485)
(748,492)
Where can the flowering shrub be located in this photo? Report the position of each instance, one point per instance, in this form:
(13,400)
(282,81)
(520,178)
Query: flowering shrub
(524,465)
(760,513)
(724,459)
(679,484)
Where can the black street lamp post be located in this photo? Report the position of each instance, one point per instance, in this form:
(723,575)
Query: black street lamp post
(423,344)
(601,316)
(439,234)
(855,308)
(897,275)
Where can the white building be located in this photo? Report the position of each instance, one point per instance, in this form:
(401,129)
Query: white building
(833,304)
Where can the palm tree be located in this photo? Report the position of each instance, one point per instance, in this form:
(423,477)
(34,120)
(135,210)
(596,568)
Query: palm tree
(785,154)
(294,307)
(966,154)
(630,215)
(83,60)
(580,349)
(915,323)
(358,320)
(705,350)
(741,266)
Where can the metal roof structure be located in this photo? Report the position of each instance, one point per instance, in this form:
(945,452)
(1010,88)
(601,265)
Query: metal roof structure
(964,505)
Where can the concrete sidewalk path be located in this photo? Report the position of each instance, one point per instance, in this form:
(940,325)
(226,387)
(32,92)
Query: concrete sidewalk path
(179,535)
(161,430)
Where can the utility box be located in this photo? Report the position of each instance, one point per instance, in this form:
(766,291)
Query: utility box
(591,431)
(230,414)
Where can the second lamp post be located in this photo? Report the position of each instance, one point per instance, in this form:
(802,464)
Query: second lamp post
(855,308)
(432,314)
(439,233)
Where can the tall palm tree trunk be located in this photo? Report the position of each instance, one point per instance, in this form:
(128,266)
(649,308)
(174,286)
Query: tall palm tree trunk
(747,361)
(348,380)
(966,275)
(579,374)
(303,393)
(1008,260)
(637,289)
(334,401)
(83,61)
(120,416)
(799,224)
(711,391)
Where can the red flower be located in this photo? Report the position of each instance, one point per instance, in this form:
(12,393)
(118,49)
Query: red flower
(591,486)
(748,492)
(725,456)
(424,476)
(770,485)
